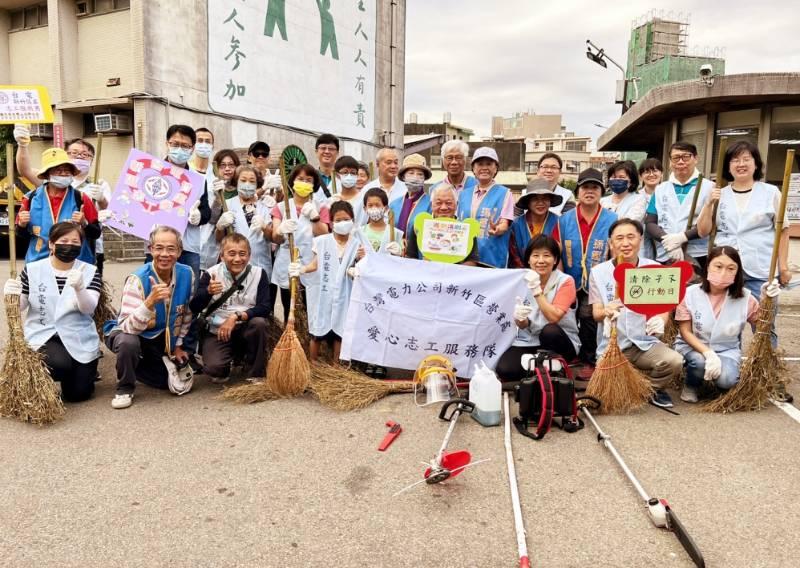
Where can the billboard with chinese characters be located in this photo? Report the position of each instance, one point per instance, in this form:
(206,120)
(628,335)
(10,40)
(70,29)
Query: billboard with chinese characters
(300,63)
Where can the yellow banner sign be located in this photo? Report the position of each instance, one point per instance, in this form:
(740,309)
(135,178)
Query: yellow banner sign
(24,104)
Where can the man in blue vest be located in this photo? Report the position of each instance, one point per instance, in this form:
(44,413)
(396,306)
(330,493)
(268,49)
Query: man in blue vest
(153,320)
(583,235)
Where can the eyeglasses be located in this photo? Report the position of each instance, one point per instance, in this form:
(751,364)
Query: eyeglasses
(260,154)
(458,158)
(159,249)
(175,146)
(651,173)
(552,168)
(227,166)
(742,161)
(80,155)
(327,149)
(680,158)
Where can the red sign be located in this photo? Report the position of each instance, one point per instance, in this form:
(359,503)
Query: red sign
(58,135)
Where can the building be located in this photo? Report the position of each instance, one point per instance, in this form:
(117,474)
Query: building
(526,125)
(574,151)
(416,132)
(243,70)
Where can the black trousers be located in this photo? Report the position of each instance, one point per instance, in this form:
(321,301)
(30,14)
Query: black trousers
(138,358)
(77,379)
(286,299)
(551,338)
(587,329)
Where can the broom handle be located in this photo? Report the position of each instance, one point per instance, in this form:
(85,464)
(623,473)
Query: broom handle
(723,147)
(787,174)
(391,225)
(371,171)
(333,183)
(98,150)
(12,226)
(289,238)
(693,208)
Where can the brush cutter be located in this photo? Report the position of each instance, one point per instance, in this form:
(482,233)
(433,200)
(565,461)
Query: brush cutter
(449,464)
(661,514)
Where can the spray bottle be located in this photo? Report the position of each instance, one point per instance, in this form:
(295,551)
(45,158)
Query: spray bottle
(485,391)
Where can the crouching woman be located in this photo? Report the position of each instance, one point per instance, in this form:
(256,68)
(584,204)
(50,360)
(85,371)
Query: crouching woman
(546,318)
(58,296)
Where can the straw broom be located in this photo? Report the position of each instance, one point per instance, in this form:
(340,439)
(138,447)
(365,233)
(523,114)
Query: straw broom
(763,374)
(344,389)
(619,385)
(27,391)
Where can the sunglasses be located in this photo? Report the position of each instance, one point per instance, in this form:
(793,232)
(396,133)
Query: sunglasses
(260,154)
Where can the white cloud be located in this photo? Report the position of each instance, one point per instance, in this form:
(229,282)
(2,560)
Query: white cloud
(483,59)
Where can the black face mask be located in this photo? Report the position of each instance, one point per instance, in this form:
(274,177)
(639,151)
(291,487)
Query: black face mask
(67,253)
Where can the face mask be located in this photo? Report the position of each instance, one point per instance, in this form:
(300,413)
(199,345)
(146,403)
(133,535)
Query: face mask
(375,213)
(67,253)
(179,155)
(720,280)
(343,227)
(246,189)
(82,165)
(203,149)
(618,185)
(349,181)
(414,186)
(303,188)
(60,181)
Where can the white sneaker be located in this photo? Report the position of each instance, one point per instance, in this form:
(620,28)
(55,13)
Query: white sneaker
(689,394)
(121,401)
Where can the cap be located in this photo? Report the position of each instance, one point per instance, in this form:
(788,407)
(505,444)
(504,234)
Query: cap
(258,145)
(590,175)
(538,186)
(414,161)
(485,152)
(53,157)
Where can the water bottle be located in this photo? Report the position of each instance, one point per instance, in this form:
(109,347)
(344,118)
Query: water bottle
(485,391)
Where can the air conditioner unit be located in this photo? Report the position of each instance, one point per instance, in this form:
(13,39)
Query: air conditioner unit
(41,131)
(83,8)
(112,123)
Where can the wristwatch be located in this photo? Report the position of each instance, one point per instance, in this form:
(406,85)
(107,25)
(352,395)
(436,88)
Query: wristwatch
(239,316)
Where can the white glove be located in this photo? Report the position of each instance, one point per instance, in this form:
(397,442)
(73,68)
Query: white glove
(608,319)
(713,365)
(22,134)
(218,185)
(772,289)
(194,214)
(654,326)
(521,311)
(104,215)
(673,241)
(272,181)
(676,254)
(75,279)
(94,191)
(287,226)
(394,248)
(353,272)
(257,222)
(225,220)
(309,210)
(333,199)
(12,287)
(534,282)
(295,270)
(268,201)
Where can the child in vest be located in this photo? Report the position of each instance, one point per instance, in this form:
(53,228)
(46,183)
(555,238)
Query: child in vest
(546,318)
(375,234)
(58,296)
(711,319)
(333,255)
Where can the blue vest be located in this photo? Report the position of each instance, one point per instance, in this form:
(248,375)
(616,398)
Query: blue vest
(42,219)
(423,205)
(522,233)
(178,304)
(492,250)
(575,261)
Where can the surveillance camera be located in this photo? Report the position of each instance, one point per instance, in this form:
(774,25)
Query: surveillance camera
(706,70)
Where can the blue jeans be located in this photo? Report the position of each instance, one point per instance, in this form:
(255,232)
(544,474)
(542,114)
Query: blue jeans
(754,285)
(696,368)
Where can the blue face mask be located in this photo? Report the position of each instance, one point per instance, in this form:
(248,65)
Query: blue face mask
(179,155)
(349,181)
(203,149)
(618,185)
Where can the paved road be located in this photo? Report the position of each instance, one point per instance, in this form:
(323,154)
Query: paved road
(196,481)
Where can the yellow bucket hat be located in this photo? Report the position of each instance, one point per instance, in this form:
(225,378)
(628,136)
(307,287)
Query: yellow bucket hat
(53,157)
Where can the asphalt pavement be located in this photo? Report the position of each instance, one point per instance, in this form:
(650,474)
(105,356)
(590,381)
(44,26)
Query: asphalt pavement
(197,481)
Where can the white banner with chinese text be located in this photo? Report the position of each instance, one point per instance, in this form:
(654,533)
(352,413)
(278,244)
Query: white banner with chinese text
(298,63)
(402,310)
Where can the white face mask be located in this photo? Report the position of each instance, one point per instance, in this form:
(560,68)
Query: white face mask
(203,149)
(343,227)
(414,178)
(349,181)
(375,213)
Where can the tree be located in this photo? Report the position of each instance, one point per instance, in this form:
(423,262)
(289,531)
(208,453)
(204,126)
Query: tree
(6,136)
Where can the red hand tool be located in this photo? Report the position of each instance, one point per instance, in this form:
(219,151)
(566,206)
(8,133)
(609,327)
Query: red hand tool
(394,432)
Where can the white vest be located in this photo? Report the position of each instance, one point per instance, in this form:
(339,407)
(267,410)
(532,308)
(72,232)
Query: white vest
(362,237)
(333,290)
(630,325)
(51,313)
(723,334)
(673,215)
(303,238)
(623,208)
(260,248)
(565,194)
(239,301)
(536,321)
(752,231)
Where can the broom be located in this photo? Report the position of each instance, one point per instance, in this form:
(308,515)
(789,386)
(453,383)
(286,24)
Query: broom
(27,391)
(619,385)
(763,374)
(345,389)
(723,147)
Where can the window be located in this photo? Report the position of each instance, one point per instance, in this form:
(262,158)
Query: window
(94,7)
(575,146)
(436,162)
(736,125)
(784,134)
(29,18)
(572,166)
(531,167)
(548,146)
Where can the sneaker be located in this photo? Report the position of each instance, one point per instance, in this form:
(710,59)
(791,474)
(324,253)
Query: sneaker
(661,398)
(689,394)
(121,401)
(220,380)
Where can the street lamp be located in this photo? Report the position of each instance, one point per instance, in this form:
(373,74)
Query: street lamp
(600,57)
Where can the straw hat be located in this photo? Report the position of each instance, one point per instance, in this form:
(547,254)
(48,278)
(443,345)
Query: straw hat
(414,161)
(538,187)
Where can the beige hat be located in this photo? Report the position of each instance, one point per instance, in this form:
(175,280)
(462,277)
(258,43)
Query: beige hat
(414,161)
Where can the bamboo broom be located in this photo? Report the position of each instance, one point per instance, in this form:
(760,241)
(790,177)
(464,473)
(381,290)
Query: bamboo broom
(712,237)
(763,374)
(27,391)
(105,309)
(619,385)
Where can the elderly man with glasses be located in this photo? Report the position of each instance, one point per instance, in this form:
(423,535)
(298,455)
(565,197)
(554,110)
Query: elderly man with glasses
(454,160)
(668,212)
(549,169)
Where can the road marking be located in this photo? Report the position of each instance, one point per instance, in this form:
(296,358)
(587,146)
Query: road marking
(789,409)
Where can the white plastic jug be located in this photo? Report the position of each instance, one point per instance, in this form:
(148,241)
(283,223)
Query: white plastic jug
(485,391)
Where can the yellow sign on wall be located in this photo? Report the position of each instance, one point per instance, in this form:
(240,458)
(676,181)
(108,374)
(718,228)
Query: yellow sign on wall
(24,104)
